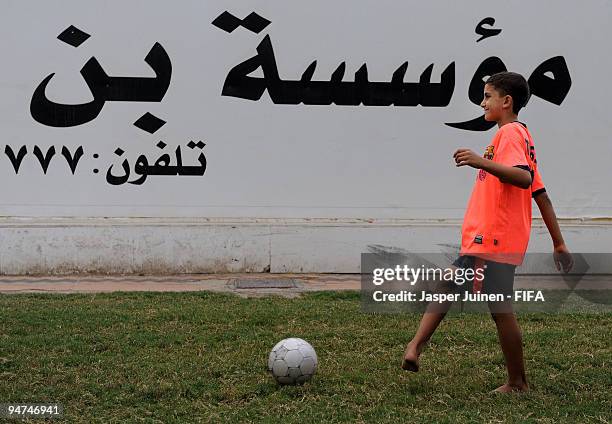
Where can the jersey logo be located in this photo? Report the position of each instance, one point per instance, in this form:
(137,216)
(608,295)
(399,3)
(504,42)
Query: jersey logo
(478,239)
(488,154)
(482,174)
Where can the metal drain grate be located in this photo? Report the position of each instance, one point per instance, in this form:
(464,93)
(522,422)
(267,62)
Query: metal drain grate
(286,283)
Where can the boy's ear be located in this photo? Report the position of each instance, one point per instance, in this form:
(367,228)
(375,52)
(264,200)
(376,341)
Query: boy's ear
(508,101)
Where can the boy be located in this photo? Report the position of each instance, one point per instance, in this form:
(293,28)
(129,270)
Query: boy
(497,222)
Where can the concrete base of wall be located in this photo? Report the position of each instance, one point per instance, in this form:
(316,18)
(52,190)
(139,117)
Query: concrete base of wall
(31,246)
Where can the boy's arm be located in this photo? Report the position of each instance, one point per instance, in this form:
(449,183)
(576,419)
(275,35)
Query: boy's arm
(563,258)
(507,174)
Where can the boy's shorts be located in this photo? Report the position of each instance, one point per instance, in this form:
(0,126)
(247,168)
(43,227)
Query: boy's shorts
(498,277)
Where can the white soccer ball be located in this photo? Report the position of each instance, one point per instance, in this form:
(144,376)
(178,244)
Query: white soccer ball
(292,361)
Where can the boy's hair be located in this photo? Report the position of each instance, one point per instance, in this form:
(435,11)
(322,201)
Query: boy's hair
(513,85)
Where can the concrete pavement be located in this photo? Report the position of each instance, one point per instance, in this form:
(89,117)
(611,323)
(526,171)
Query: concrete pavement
(250,284)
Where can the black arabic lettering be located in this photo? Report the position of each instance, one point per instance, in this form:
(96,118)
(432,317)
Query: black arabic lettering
(43,159)
(161,166)
(46,160)
(104,88)
(253,22)
(141,168)
(488,67)
(553,90)
(486,32)
(119,179)
(15,159)
(73,161)
(239,84)
(195,170)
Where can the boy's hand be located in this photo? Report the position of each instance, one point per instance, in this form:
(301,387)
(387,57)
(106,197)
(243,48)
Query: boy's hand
(563,258)
(467,157)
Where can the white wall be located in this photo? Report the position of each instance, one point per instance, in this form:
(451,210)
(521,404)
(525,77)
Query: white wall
(275,161)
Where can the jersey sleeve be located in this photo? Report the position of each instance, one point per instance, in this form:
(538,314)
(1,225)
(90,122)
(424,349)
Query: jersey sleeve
(512,150)
(537,186)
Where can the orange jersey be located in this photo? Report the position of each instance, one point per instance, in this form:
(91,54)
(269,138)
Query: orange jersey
(497,221)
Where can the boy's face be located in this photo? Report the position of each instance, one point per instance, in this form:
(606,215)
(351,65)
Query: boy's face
(494,104)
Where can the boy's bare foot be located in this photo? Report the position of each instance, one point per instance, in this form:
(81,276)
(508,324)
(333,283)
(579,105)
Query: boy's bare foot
(510,388)
(411,357)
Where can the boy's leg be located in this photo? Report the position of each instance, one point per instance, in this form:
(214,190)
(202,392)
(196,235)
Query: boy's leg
(511,342)
(500,279)
(431,319)
(427,326)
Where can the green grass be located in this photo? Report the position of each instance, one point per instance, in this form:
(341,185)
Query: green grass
(201,357)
